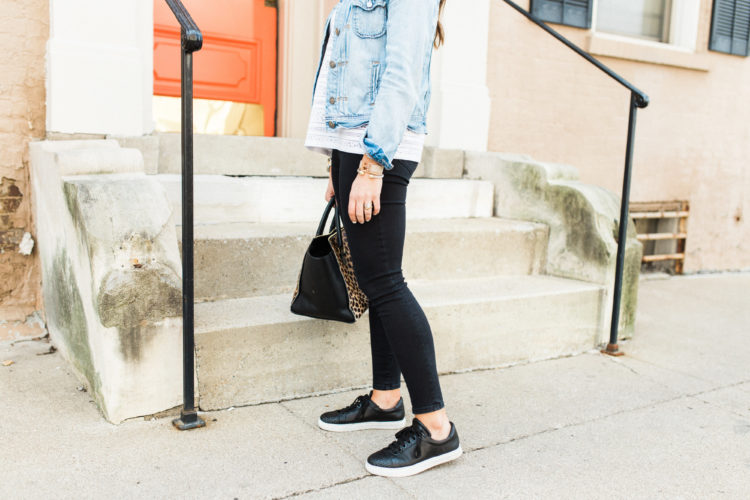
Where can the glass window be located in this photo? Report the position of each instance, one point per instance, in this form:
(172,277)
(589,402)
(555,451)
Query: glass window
(640,18)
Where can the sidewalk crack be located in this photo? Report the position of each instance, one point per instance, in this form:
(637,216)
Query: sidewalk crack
(650,378)
(313,490)
(326,435)
(582,422)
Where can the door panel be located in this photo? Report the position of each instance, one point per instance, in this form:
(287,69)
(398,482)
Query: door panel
(238,59)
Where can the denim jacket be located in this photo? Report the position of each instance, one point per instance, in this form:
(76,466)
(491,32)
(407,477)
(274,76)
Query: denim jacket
(379,73)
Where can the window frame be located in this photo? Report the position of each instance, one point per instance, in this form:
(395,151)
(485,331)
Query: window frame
(683,25)
(670,11)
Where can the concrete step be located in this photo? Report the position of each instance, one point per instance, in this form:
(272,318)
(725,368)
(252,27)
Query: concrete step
(255,350)
(223,199)
(251,155)
(251,259)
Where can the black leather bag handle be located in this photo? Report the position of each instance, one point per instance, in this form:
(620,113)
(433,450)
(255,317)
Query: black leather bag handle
(335,221)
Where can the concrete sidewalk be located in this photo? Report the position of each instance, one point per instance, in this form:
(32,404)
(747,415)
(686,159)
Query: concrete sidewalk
(671,418)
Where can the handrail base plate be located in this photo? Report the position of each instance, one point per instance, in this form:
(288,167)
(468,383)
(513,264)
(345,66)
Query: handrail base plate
(189,420)
(612,350)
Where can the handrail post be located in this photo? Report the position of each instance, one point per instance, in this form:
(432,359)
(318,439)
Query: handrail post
(190,41)
(622,232)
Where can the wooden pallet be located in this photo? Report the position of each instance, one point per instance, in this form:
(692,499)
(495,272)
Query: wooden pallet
(656,210)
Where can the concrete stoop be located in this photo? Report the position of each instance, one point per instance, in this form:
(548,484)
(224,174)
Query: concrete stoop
(486,302)
(509,290)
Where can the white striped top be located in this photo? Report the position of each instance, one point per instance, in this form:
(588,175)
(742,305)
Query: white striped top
(323,139)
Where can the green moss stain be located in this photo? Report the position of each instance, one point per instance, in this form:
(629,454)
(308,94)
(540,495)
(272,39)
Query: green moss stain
(133,299)
(67,314)
(566,210)
(529,180)
(582,237)
(630,282)
(128,297)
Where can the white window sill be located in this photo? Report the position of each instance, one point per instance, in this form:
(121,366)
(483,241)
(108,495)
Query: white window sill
(623,47)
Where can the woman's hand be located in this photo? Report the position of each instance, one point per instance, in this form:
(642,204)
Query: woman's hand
(329,190)
(365,190)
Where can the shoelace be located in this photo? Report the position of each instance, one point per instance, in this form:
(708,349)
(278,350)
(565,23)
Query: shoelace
(356,404)
(405,437)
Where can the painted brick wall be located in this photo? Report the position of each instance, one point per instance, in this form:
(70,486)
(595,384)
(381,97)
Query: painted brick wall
(24,30)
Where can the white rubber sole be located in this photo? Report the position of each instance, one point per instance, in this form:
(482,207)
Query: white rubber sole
(416,468)
(358,426)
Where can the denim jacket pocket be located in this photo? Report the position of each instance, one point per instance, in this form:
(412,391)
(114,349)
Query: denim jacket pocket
(369,18)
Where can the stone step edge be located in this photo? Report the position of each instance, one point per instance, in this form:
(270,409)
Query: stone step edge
(268,309)
(220,199)
(242,155)
(244,230)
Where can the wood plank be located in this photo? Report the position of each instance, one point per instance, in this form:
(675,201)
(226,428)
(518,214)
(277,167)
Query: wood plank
(659,215)
(666,256)
(662,236)
(651,206)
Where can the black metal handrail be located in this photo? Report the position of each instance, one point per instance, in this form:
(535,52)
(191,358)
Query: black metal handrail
(191,40)
(191,37)
(637,100)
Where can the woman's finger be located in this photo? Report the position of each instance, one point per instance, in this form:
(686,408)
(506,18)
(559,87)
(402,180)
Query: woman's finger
(376,206)
(330,192)
(352,210)
(360,211)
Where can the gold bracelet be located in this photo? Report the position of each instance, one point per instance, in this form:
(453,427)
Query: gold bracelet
(367,164)
(362,170)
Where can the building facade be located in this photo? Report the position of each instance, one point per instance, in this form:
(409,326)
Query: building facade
(87,69)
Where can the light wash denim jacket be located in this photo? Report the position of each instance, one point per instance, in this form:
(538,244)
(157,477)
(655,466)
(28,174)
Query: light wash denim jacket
(380,70)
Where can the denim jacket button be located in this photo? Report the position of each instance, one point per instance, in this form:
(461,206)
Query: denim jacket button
(332,124)
(338,31)
(332,100)
(333,64)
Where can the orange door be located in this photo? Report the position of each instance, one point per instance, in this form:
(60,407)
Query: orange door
(238,59)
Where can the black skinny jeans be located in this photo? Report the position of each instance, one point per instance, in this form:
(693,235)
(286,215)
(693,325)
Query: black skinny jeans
(400,335)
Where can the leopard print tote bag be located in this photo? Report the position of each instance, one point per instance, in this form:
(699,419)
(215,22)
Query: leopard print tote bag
(327,287)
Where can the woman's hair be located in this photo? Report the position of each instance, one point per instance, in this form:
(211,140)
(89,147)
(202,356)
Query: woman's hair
(439,34)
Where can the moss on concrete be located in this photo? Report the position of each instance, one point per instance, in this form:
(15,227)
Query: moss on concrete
(630,282)
(132,299)
(582,219)
(582,236)
(128,297)
(66,314)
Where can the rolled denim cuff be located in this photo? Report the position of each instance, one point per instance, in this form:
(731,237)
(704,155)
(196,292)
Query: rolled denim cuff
(376,153)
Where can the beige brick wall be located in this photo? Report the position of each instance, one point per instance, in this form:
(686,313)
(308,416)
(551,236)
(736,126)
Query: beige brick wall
(24,29)
(692,141)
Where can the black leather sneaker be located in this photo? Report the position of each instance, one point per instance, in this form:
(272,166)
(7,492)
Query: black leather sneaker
(414,451)
(363,413)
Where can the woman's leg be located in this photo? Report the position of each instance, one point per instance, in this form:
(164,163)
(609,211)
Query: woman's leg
(377,250)
(386,374)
